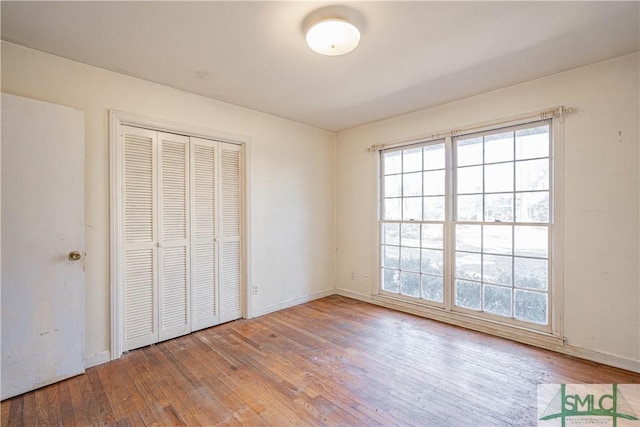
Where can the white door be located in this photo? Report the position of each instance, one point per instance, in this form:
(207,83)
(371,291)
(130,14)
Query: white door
(140,237)
(156,236)
(42,226)
(217,217)
(173,237)
(230,264)
(204,196)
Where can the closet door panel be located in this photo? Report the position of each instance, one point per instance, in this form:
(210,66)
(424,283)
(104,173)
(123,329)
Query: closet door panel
(230,235)
(174,293)
(204,179)
(139,236)
(230,306)
(204,286)
(173,239)
(139,307)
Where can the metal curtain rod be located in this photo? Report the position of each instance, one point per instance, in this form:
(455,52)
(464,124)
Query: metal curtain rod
(553,113)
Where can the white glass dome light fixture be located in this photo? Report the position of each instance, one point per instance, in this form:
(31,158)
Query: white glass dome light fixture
(333,30)
(333,37)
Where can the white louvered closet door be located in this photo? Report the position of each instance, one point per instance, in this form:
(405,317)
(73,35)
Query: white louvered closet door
(139,236)
(230,264)
(182,235)
(216,218)
(173,236)
(204,282)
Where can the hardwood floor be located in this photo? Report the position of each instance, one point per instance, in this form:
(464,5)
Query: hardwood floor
(334,361)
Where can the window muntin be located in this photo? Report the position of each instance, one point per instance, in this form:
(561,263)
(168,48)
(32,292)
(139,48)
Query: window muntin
(499,221)
(412,230)
(501,265)
(503,176)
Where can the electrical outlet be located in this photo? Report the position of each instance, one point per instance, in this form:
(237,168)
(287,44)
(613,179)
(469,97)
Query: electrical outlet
(353,276)
(255,290)
(366,276)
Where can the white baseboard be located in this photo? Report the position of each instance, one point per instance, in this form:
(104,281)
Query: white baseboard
(355,295)
(604,358)
(96,359)
(260,311)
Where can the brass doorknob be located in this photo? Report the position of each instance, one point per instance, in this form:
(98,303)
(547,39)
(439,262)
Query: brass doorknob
(74,256)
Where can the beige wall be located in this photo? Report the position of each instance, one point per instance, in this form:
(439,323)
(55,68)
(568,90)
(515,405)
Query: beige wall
(601,282)
(292,177)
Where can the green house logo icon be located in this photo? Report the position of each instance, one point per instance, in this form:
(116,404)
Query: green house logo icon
(565,405)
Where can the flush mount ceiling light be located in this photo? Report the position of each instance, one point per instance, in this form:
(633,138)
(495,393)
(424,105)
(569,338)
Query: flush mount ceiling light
(333,30)
(333,37)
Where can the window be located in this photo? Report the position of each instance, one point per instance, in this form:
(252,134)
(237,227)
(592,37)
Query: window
(466,224)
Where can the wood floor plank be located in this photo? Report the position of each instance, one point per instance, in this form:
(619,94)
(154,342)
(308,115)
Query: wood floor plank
(53,405)
(29,412)
(103,409)
(66,405)
(78,400)
(334,361)
(115,381)
(14,412)
(42,407)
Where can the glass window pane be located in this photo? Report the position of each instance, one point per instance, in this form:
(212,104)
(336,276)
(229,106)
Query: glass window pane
(468,295)
(410,259)
(434,208)
(498,178)
(469,180)
(434,183)
(391,280)
(469,208)
(468,238)
(497,300)
(410,284)
(469,151)
(412,208)
(410,235)
(531,273)
(391,256)
(498,147)
(412,184)
(412,160)
(532,175)
(497,239)
(497,269)
(432,261)
(532,207)
(498,207)
(532,142)
(393,209)
(390,233)
(434,157)
(531,306)
(432,288)
(432,236)
(392,162)
(468,266)
(393,186)
(531,241)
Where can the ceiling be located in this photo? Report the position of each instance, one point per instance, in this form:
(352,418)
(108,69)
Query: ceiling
(412,55)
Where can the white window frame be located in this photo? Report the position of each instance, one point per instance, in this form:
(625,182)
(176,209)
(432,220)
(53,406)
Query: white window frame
(549,336)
